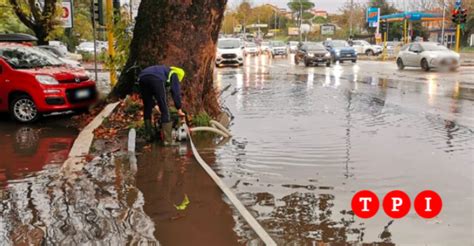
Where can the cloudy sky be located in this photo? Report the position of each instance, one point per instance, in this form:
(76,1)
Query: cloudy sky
(331,6)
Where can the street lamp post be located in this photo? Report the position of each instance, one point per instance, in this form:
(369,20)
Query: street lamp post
(442,27)
(301,21)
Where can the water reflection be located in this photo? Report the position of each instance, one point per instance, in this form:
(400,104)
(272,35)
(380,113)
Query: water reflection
(99,206)
(28,149)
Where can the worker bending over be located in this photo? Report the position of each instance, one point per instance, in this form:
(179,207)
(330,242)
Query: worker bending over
(154,82)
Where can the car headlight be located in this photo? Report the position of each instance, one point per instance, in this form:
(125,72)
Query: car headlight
(327,54)
(337,52)
(310,54)
(46,80)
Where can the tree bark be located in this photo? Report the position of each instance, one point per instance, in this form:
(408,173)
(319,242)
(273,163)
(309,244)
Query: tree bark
(177,33)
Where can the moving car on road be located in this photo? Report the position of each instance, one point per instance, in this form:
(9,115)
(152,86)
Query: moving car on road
(265,47)
(340,51)
(33,83)
(229,52)
(251,49)
(312,54)
(364,47)
(278,48)
(427,55)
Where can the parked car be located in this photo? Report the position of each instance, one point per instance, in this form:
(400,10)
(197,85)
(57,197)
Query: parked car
(60,46)
(293,46)
(86,47)
(364,47)
(251,49)
(313,54)
(340,51)
(427,55)
(33,83)
(229,52)
(61,56)
(278,48)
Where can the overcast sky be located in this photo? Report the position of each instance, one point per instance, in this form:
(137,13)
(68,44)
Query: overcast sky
(331,6)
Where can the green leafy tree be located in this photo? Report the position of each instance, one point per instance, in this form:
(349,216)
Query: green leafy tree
(9,23)
(42,20)
(300,9)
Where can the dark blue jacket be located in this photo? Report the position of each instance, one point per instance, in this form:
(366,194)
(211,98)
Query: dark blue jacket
(161,72)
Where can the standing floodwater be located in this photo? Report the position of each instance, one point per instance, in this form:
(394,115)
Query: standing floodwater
(306,139)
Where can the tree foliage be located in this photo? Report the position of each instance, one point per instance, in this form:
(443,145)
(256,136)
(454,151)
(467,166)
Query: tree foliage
(42,20)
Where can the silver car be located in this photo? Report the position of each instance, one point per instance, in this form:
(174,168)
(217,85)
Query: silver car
(427,55)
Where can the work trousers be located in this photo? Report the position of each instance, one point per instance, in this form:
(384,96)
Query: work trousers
(153,89)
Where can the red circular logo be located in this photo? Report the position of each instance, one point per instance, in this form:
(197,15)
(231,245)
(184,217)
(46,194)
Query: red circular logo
(65,12)
(365,204)
(396,204)
(428,204)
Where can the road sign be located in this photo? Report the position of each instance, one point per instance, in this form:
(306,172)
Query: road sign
(66,15)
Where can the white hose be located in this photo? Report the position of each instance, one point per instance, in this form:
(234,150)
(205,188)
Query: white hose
(233,199)
(219,126)
(209,129)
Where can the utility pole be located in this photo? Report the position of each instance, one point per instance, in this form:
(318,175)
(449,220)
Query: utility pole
(301,21)
(351,17)
(442,24)
(110,38)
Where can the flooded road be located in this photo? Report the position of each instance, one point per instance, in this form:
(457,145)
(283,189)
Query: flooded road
(307,139)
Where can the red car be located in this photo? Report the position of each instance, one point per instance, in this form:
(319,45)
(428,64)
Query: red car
(33,83)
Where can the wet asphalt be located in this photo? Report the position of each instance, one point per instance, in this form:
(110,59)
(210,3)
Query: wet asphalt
(305,140)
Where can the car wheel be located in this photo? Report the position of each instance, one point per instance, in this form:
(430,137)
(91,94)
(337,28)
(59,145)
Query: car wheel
(369,52)
(334,60)
(307,64)
(23,109)
(341,61)
(296,61)
(328,64)
(424,65)
(354,61)
(400,64)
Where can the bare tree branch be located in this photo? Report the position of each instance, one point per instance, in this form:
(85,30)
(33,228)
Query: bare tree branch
(21,14)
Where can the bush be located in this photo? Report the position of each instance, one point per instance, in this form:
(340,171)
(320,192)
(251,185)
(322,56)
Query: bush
(201,119)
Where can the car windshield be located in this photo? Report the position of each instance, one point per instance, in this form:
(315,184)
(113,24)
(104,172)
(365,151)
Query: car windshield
(251,45)
(433,47)
(228,44)
(28,57)
(265,43)
(314,47)
(278,44)
(339,43)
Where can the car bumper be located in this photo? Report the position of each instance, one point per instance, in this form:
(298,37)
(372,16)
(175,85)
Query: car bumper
(279,52)
(229,61)
(66,97)
(344,57)
(445,62)
(317,59)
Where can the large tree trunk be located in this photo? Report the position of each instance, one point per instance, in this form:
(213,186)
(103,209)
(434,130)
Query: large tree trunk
(178,33)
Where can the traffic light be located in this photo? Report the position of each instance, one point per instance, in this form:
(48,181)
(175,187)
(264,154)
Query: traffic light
(455,16)
(384,26)
(98,12)
(463,16)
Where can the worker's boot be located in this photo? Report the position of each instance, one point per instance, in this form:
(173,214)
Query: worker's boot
(149,133)
(167,129)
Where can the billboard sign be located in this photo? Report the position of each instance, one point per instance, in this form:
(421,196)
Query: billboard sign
(293,31)
(373,16)
(328,29)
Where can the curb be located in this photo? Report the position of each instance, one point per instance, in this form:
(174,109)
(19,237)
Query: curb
(83,142)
